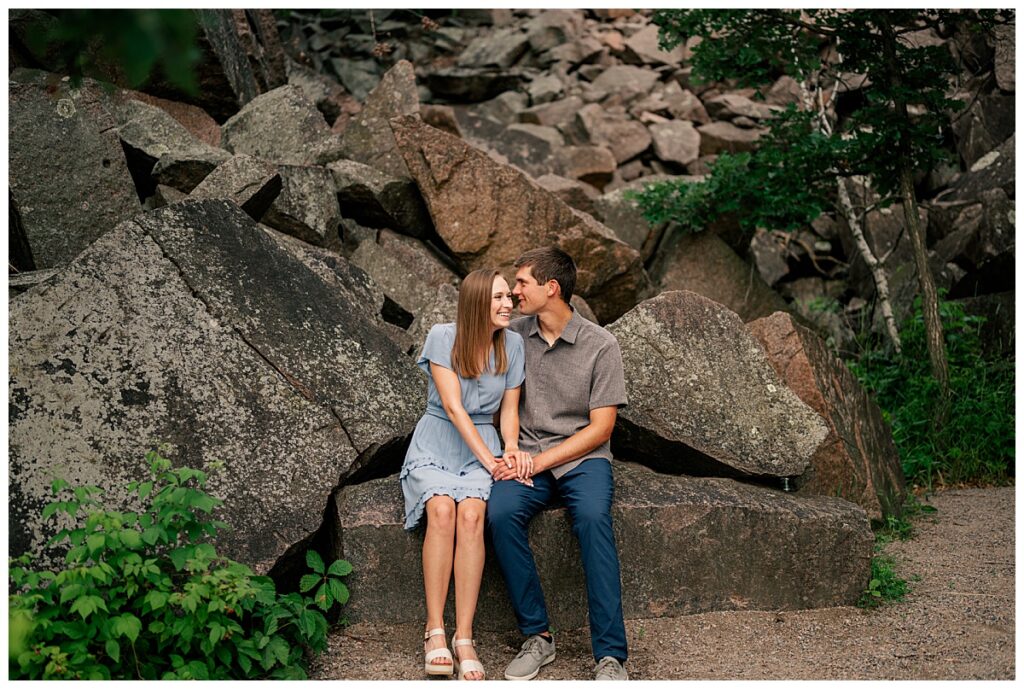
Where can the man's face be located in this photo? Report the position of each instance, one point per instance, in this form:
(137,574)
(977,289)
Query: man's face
(531,295)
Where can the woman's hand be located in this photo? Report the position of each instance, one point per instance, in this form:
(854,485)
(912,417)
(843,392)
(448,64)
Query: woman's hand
(514,464)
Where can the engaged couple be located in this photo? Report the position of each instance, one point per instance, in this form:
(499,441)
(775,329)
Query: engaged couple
(555,381)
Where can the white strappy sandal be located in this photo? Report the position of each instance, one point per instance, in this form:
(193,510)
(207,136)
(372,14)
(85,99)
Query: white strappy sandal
(466,666)
(434,668)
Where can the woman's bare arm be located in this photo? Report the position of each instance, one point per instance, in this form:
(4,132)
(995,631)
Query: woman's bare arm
(450,390)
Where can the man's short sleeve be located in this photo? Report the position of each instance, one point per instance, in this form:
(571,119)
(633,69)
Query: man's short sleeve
(608,383)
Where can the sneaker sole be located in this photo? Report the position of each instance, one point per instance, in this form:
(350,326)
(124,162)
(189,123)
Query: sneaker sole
(536,672)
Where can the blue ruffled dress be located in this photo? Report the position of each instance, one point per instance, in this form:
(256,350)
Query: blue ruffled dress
(439,462)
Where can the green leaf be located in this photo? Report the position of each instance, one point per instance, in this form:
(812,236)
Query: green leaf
(314,561)
(338,591)
(131,538)
(244,663)
(95,541)
(128,625)
(323,598)
(145,489)
(340,568)
(113,650)
(156,599)
(58,485)
(308,581)
(307,622)
(151,534)
(216,633)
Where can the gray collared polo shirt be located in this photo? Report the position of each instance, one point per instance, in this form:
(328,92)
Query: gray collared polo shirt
(581,371)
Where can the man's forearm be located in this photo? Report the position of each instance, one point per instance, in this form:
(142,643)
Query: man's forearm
(577,445)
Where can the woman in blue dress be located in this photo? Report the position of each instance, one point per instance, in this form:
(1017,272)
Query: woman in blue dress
(476,368)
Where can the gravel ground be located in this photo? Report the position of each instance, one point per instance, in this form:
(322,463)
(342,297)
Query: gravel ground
(957,622)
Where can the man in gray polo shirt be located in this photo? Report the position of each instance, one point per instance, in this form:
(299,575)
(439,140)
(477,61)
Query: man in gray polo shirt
(574,387)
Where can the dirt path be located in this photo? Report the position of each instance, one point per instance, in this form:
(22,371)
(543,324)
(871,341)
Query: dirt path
(957,622)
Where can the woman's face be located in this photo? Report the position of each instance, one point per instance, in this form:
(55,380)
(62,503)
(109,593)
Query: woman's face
(501,303)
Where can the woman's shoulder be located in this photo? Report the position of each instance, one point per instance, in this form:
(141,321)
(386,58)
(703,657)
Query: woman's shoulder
(512,338)
(442,330)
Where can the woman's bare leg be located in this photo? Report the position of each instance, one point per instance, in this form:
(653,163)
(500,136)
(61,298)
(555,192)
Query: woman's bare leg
(469,569)
(438,546)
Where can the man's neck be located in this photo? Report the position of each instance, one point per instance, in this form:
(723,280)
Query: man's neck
(553,319)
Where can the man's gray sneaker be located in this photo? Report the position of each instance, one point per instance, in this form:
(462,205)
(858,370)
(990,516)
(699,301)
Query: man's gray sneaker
(611,669)
(536,653)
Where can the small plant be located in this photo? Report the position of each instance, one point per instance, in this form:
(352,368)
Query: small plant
(900,528)
(143,595)
(885,585)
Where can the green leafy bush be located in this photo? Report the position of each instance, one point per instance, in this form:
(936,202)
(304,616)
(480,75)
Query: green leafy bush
(885,585)
(143,595)
(976,444)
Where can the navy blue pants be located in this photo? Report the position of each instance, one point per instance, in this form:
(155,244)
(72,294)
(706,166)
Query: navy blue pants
(587,492)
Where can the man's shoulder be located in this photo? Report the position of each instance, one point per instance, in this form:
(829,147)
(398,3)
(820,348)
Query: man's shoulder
(521,326)
(596,334)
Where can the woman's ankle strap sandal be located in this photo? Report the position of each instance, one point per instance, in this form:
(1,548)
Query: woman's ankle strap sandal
(430,658)
(464,667)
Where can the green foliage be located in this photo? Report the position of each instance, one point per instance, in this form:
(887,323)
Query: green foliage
(901,528)
(976,444)
(143,595)
(132,41)
(885,585)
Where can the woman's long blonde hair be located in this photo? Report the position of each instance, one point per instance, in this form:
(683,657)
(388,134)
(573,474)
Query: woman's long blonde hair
(473,336)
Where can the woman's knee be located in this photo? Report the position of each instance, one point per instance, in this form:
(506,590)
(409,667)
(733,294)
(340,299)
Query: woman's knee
(471,516)
(441,513)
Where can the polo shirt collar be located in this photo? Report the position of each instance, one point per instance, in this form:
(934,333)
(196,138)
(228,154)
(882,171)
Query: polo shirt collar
(569,332)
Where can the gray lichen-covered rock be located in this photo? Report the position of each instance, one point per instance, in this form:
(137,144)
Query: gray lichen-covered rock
(488,214)
(500,48)
(377,199)
(703,399)
(307,206)
(190,325)
(675,141)
(68,177)
(625,137)
(248,182)
(619,212)
(281,126)
(686,545)
(368,138)
(626,81)
(858,460)
(441,307)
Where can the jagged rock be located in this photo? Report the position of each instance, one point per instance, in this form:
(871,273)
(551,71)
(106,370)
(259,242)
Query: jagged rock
(377,199)
(769,257)
(552,28)
(320,89)
(988,122)
(642,48)
(368,138)
(858,461)
(544,89)
(622,215)
(282,126)
(165,196)
(465,85)
(703,399)
(1005,58)
(717,137)
(158,146)
(730,106)
(18,283)
(405,269)
(684,105)
(442,307)
(191,117)
(504,108)
(441,117)
(488,214)
(68,177)
(983,246)
(785,91)
(501,48)
(686,546)
(358,76)
(703,263)
(554,114)
(530,147)
(260,363)
(307,206)
(591,164)
(994,169)
(581,305)
(626,138)
(572,192)
(575,52)
(248,182)
(626,81)
(675,141)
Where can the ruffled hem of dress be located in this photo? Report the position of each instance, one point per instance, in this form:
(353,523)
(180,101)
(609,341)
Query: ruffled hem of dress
(458,494)
(411,463)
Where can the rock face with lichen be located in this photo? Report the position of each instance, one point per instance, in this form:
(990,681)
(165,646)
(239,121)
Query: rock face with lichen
(703,399)
(192,326)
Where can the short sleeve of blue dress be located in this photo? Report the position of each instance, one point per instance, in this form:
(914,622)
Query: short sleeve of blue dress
(438,347)
(516,373)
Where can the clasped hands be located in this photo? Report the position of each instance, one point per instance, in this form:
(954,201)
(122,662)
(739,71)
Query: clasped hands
(514,464)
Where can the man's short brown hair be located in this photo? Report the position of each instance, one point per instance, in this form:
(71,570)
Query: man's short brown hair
(549,263)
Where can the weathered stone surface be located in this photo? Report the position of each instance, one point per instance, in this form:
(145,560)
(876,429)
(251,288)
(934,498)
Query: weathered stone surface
(368,138)
(725,136)
(307,206)
(581,305)
(21,282)
(488,214)
(501,48)
(162,148)
(729,106)
(703,263)
(642,48)
(249,183)
(559,112)
(68,177)
(359,77)
(769,257)
(466,85)
(164,195)
(191,117)
(675,141)
(329,97)
(785,91)
(683,105)
(983,246)
(1005,58)
(625,137)
(994,169)
(703,399)
(544,89)
(282,126)
(189,325)
(442,117)
(591,164)
(530,147)
(858,461)
(405,269)
(553,27)
(686,545)
(572,192)
(626,81)
(377,199)
(622,215)
(441,307)
(988,122)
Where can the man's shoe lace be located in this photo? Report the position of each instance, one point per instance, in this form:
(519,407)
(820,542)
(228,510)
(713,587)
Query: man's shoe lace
(607,667)
(533,646)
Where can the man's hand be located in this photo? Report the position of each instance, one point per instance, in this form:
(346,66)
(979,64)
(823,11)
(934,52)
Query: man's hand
(514,464)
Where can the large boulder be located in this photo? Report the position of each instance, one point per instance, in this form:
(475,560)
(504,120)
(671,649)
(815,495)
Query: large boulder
(704,263)
(501,48)
(307,206)
(282,126)
(998,168)
(378,199)
(675,141)
(69,181)
(625,137)
(986,123)
(190,325)
(488,214)
(686,545)
(858,461)
(626,81)
(249,183)
(643,48)
(619,211)
(717,137)
(703,399)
